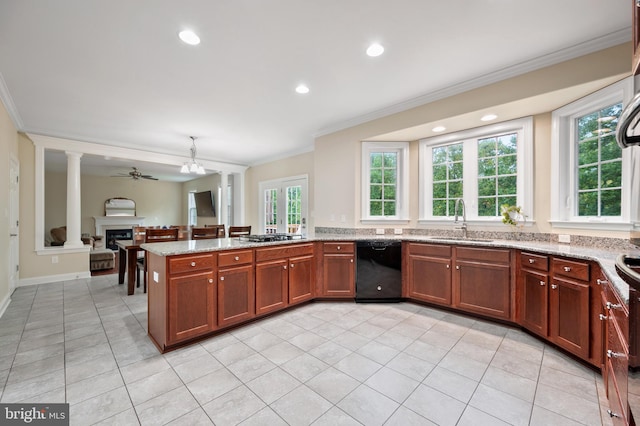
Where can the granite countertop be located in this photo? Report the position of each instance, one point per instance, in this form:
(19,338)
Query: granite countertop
(606,258)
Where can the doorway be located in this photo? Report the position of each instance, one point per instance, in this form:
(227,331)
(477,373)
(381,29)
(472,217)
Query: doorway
(284,206)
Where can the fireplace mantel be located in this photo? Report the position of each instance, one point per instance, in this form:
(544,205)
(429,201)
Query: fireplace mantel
(107,222)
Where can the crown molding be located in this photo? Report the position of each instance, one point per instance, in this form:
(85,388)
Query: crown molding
(572,52)
(7,100)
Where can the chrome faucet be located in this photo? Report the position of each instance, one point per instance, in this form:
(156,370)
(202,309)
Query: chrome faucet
(464,216)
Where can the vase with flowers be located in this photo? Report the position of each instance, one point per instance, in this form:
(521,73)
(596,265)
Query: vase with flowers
(513,216)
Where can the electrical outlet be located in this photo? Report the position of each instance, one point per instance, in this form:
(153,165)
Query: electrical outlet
(564,238)
(54,259)
(397,231)
(379,231)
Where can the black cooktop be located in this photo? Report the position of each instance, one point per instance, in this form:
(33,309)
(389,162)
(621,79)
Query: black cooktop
(264,238)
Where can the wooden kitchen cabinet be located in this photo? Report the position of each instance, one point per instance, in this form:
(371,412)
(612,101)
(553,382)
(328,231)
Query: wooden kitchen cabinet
(616,356)
(569,306)
(635,63)
(338,270)
(236,289)
(182,297)
(482,281)
(429,276)
(533,289)
(284,276)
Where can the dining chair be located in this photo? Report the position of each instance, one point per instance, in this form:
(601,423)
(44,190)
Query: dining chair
(206,233)
(237,231)
(154,235)
(220,228)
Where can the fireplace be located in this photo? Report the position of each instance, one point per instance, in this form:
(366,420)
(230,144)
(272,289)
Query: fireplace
(114,235)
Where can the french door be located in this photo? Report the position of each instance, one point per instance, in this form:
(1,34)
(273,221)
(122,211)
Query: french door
(283,205)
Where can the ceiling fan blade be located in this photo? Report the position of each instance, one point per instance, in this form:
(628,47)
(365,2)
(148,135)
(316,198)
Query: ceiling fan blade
(148,177)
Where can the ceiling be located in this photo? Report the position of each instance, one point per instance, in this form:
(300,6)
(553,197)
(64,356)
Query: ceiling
(116,73)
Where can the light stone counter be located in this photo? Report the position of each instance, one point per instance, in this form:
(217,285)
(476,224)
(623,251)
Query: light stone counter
(605,257)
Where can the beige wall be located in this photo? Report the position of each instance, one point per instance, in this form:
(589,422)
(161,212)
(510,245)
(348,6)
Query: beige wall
(9,148)
(206,183)
(298,165)
(337,155)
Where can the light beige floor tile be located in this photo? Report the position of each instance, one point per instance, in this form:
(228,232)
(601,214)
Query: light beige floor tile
(330,352)
(452,384)
(510,383)
(410,366)
(405,417)
(568,405)
(288,407)
(378,352)
(251,367)
(212,385)
(392,384)
(100,407)
(501,405)
(474,417)
(197,367)
(304,367)
(273,385)
(282,352)
(94,386)
(234,407)
(145,368)
(152,386)
(435,406)
(333,385)
(166,407)
(197,417)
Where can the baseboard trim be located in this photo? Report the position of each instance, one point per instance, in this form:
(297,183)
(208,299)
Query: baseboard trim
(24,282)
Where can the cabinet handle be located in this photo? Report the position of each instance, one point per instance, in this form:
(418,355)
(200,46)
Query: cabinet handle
(193,263)
(567,269)
(338,248)
(221,278)
(351,260)
(532,261)
(448,266)
(554,286)
(611,306)
(292,265)
(603,317)
(612,354)
(609,412)
(542,283)
(211,280)
(601,282)
(458,267)
(236,258)
(284,266)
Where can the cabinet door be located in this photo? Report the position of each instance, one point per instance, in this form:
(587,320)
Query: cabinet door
(534,301)
(191,305)
(430,279)
(483,288)
(301,274)
(236,295)
(271,286)
(569,315)
(339,275)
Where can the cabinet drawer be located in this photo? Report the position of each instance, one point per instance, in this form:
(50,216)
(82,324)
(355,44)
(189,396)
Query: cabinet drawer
(571,269)
(616,310)
(179,265)
(431,250)
(284,251)
(232,258)
(339,247)
(534,261)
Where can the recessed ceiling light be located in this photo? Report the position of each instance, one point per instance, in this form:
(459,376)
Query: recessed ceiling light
(189,37)
(375,50)
(439,129)
(488,117)
(302,89)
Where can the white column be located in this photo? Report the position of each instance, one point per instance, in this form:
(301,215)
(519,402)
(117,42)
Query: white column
(238,199)
(73,200)
(224,205)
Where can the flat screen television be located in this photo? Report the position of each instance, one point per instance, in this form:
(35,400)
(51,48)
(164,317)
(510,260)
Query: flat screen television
(205,205)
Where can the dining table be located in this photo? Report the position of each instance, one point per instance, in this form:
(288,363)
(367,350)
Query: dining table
(128,257)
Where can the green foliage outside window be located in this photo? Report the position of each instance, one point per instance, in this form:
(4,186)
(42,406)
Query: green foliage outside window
(497,173)
(383,172)
(599,168)
(447,178)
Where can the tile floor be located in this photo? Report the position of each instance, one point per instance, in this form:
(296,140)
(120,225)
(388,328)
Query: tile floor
(84,342)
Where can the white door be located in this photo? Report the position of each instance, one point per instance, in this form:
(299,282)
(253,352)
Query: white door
(284,206)
(14,204)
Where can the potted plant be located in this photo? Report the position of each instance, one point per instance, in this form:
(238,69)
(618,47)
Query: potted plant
(513,216)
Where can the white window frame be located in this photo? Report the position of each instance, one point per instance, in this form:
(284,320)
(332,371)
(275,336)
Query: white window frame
(563,163)
(523,127)
(402,185)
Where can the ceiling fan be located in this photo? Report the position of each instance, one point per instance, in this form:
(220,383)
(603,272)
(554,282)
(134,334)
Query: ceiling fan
(135,174)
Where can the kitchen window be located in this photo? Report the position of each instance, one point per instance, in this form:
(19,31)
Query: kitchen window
(588,166)
(487,167)
(385,179)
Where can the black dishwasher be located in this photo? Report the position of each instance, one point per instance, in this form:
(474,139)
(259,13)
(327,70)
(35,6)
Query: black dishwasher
(379,271)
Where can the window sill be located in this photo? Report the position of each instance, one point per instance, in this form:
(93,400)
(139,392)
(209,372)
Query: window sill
(384,221)
(598,225)
(472,222)
(47,251)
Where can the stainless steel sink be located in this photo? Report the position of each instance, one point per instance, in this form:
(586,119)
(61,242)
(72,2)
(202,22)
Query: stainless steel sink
(481,240)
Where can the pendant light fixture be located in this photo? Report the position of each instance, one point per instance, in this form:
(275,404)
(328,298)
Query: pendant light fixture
(193,166)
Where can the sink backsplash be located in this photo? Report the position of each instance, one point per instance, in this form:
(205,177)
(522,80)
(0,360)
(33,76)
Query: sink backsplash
(576,240)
